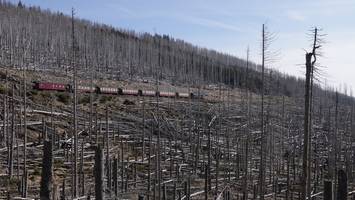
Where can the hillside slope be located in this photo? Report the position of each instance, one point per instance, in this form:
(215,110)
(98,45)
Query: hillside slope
(29,37)
(152,147)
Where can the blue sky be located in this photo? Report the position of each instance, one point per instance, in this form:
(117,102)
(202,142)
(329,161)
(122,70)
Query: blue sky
(232,25)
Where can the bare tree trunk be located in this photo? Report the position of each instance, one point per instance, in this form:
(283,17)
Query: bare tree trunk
(75,170)
(328,190)
(206,182)
(97,127)
(288,176)
(3,136)
(115,176)
(82,174)
(11,142)
(24,191)
(46,178)
(305,180)
(262,166)
(149,164)
(217,169)
(209,162)
(342,192)
(107,151)
(17,135)
(122,167)
(143,130)
(91,93)
(63,193)
(99,174)
(306,126)
(245,184)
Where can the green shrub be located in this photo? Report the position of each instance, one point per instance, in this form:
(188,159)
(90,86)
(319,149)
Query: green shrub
(63,97)
(105,98)
(32,178)
(58,163)
(84,100)
(33,92)
(2,89)
(37,171)
(45,95)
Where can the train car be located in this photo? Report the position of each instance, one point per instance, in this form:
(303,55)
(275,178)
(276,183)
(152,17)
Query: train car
(167,94)
(184,95)
(107,90)
(50,86)
(131,92)
(86,89)
(114,91)
(149,93)
(197,95)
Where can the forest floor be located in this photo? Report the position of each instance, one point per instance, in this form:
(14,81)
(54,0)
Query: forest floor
(161,141)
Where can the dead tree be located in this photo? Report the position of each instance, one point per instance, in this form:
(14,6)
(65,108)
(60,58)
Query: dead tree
(122,167)
(158,158)
(106,143)
(11,142)
(115,176)
(4,125)
(342,192)
(99,174)
(63,194)
(17,135)
(206,183)
(46,177)
(217,156)
(311,59)
(91,89)
(149,164)
(209,161)
(24,190)
(262,165)
(328,190)
(75,170)
(82,174)
(335,139)
(143,129)
(249,99)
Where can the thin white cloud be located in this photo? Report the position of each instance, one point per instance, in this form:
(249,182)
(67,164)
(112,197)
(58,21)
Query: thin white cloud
(211,23)
(215,24)
(121,10)
(295,15)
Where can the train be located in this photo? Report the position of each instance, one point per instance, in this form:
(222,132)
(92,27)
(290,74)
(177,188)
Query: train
(60,87)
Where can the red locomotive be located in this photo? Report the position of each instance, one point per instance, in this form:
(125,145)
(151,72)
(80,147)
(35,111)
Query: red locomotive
(51,86)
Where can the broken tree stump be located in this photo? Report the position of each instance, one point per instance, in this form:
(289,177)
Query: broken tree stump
(342,191)
(99,173)
(46,177)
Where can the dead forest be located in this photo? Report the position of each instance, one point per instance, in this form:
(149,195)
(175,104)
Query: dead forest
(255,134)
